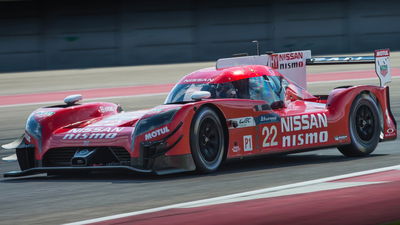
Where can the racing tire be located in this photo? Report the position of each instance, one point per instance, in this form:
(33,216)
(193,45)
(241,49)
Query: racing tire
(364,127)
(207,140)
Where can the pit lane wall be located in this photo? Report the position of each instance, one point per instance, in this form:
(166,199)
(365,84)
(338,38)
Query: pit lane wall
(37,35)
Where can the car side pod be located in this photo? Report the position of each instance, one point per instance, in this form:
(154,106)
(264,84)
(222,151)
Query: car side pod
(150,150)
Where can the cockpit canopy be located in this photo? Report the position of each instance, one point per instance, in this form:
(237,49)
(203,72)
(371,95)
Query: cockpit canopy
(256,82)
(267,88)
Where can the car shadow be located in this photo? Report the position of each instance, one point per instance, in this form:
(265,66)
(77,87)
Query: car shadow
(230,167)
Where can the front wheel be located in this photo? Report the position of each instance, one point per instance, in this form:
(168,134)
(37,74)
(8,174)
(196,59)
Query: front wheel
(207,140)
(364,127)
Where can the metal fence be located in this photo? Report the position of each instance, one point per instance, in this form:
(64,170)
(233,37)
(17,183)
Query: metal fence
(64,34)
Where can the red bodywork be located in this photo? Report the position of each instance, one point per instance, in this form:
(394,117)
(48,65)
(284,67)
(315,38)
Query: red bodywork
(305,122)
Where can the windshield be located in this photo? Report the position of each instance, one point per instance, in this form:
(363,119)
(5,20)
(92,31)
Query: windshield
(257,88)
(183,92)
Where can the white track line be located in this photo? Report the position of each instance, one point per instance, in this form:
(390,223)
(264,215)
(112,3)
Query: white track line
(238,195)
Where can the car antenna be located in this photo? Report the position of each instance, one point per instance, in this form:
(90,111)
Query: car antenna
(257,46)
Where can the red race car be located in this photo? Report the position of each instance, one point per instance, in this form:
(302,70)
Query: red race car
(245,106)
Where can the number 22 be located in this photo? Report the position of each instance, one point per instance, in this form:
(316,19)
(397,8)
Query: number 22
(267,132)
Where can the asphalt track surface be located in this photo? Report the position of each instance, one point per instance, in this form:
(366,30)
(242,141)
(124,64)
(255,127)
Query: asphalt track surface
(54,200)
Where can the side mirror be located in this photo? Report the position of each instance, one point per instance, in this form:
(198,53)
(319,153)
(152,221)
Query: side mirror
(72,99)
(277,105)
(199,95)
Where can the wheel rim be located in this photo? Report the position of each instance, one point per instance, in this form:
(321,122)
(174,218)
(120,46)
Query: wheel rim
(209,140)
(365,123)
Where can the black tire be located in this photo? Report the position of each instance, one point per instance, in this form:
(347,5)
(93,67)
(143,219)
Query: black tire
(364,127)
(207,140)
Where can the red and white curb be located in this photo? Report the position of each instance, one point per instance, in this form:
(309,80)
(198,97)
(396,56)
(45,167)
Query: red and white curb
(341,182)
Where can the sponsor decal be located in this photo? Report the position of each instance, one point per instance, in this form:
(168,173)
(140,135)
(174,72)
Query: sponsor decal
(198,80)
(304,123)
(104,109)
(382,53)
(268,118)
(96,129)
(304,139)
(235,147)
(92,133)
(243,122)
(248,143)
(390,132)
(279,61)
(340,138)
(156,133)
(382,66)
(43,114)
(292,65)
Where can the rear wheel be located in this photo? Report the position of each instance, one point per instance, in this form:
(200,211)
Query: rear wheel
(207,140)
(364,127)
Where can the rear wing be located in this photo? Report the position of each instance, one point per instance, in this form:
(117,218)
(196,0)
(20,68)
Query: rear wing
(380,58)
(293,64)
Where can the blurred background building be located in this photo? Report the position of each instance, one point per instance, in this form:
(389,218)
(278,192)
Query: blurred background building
(37,35)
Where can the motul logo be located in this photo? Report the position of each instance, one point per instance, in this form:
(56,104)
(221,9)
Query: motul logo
(156,133)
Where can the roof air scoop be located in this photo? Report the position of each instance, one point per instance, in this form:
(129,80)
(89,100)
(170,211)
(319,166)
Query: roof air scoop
(73,99)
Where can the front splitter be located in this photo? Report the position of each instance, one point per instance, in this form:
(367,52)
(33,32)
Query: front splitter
(39,170)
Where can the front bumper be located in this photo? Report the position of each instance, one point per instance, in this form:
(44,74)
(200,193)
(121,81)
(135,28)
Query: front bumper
(162,165)
(152,159)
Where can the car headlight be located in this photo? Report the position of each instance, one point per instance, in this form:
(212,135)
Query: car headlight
(34,128)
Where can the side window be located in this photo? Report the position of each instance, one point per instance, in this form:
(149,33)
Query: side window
(225,90)
(278,85)
(242,88)
(260,89)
